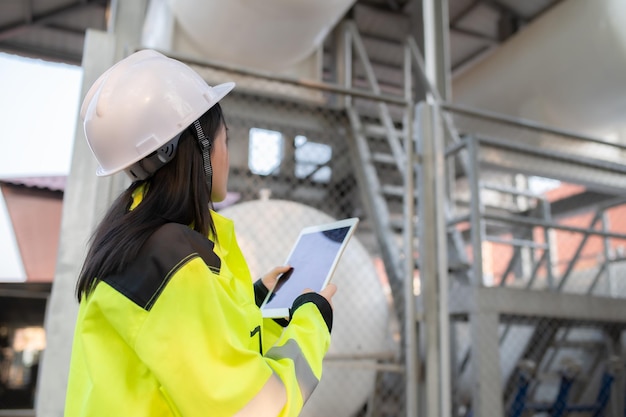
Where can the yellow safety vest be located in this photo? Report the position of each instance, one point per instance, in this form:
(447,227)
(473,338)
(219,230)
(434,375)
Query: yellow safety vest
(179,334)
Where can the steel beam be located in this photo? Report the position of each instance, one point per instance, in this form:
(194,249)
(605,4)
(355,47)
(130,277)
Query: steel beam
(539,304)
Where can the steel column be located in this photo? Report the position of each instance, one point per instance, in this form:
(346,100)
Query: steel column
(485,365)
(433,261)
(410,322)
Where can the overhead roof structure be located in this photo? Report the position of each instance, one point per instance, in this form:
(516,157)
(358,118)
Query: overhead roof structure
(49,29)
(55,29)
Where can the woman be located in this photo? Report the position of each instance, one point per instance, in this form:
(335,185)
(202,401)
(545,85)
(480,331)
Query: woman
(169,321)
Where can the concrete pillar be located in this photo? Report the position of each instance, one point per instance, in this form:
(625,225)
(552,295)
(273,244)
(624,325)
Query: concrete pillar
(86,199)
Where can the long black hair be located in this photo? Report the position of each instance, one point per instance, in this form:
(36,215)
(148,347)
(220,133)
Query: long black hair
(177,192)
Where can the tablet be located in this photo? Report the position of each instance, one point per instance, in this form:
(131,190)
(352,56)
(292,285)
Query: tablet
(313,260)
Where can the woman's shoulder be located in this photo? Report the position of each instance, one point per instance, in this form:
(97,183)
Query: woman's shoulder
(178,241)
(166,250)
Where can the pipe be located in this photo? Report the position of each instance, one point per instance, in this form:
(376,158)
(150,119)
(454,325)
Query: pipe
(565,69)
(270,35)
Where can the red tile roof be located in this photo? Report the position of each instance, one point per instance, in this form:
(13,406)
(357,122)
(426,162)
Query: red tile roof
(54,183)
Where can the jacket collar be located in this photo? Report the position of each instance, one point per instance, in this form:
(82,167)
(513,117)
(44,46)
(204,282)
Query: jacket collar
(224,226)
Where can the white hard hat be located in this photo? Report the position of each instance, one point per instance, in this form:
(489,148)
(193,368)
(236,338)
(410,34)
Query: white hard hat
(140,104)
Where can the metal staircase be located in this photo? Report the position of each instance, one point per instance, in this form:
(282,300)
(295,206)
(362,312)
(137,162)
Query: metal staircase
(382,143)
(377,146)
(380,131)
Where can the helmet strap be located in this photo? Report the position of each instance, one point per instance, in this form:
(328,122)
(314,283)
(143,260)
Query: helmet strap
(205,146)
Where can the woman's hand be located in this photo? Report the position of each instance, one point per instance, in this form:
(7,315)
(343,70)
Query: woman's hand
(327,293)
(269,279)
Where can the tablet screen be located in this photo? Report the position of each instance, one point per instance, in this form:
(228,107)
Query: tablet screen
(313,260)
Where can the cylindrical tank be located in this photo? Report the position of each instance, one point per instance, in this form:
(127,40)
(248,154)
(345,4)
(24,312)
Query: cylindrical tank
(266,230)
(567,68)
(271,34)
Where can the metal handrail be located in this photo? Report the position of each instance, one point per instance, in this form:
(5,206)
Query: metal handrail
(572,263)
(511,191)
(553,154)
(525,123)
(385,115)
(419,60)
(524,221)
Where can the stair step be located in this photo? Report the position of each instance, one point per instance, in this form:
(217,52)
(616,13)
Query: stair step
(379,131)
(383,158)
(393,190)
(459,267)
(579,344)
(397,224)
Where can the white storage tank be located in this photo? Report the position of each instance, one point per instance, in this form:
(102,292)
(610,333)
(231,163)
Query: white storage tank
(266,230)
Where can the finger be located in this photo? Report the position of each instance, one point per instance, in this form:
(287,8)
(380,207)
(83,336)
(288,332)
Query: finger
(277,270)
(329,291)
(270,278)
(282,269)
